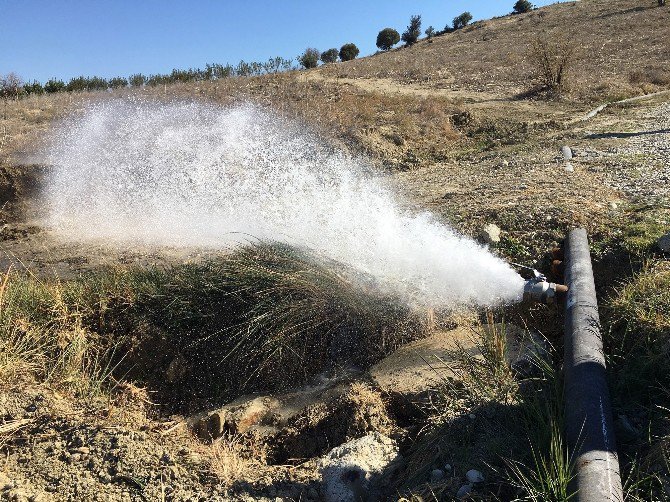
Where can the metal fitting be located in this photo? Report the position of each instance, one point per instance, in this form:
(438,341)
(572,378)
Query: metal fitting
(540,290)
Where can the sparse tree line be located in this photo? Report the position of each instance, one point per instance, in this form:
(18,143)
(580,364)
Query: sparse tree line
(11,85)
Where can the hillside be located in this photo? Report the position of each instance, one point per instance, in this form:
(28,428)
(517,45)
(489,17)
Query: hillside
(622,49)
(147,372)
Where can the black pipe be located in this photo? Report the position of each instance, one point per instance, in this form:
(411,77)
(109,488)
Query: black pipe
(588,413)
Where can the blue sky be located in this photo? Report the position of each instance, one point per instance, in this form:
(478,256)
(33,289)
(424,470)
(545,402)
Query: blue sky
(66,38)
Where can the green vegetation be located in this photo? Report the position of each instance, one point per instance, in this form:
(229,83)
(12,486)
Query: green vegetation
(430,32)
(250,321)
(309,58)
(348,52)
(54,85)
(387,38)
(522,6)
(462,20)
(330,56)
(638,338)
(413,31)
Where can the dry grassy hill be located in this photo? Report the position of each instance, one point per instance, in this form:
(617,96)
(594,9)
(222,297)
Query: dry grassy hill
(623,47)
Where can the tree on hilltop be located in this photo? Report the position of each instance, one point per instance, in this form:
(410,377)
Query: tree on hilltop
(522,6)
(309,58)
(349,52)
(462,21)
(387,38)
(329,56)
(413,31)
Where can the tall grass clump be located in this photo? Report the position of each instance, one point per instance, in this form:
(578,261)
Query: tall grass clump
(43,339)
(260,318)
(638,346)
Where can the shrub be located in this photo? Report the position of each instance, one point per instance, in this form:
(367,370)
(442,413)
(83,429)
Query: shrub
(11,85)
(34,88)
(413,31)
(430,32)
(348,52)
(522,6)
(309,58)
(552,62)
(387,38)
(54,85)
(117,82)
(137,80)
(462,21)
(330,56)
(661,3)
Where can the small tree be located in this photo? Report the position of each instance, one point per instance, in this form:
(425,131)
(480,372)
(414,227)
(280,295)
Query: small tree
(349,52)
(387,38)
(413,31)
(462,21)
(661,3)
(33,88)
(118,82)
(430,32)
(11,86)
(522,6)
(137,80)
(329,56)
(54,85)
(309,58)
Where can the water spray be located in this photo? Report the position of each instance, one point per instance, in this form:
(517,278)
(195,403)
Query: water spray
(141,173)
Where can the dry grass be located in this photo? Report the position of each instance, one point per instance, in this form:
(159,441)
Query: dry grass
(230,460)
(490,56)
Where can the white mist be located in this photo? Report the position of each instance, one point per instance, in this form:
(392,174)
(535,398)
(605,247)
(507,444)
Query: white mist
(193,174)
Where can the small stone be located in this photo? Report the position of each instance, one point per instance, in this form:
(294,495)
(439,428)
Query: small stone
(569,168)
(436,475)
(463,491)
(447,467)
(664,243)
(491,233)
(566,152)
(474,476)
(472,416)
(614,206)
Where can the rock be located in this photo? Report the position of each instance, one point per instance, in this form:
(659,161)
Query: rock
(447,467)
(664,243)
(566,152)
(474,476)
(613,206)
(491,233)
(350,472)
(463,491)
(436,475)
(569,168)
(237,417)
(472,416)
